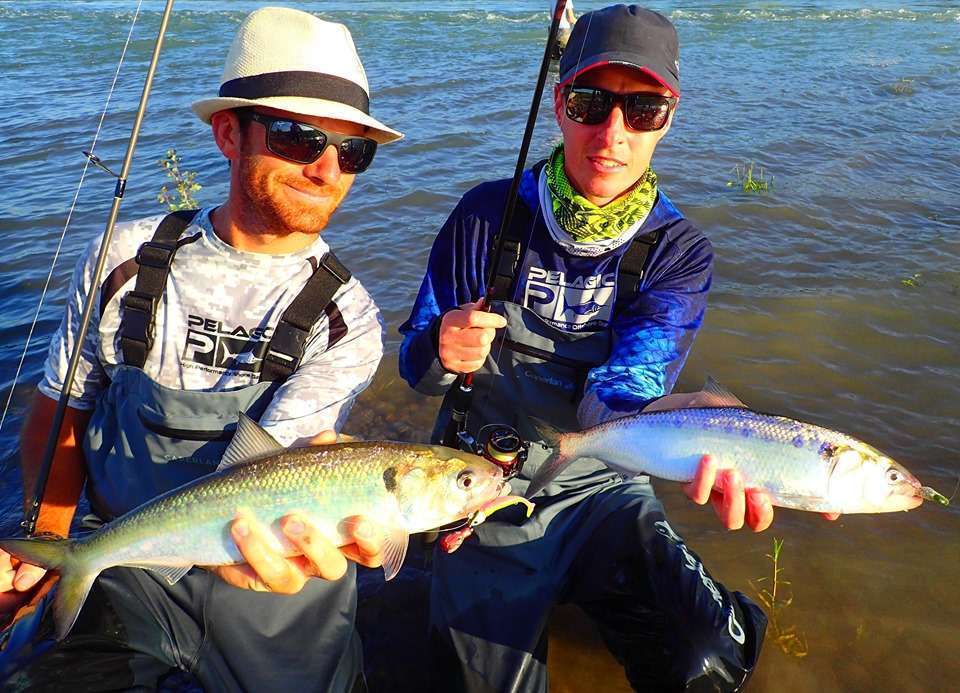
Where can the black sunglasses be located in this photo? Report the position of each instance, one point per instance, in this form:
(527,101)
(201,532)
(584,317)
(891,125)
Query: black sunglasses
(304,143)
(642,112)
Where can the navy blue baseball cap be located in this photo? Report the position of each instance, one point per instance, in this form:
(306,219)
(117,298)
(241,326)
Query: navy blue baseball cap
(623,35)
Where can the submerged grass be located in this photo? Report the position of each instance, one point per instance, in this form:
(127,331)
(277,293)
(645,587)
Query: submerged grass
(750,182)
(772,596)
(184,184)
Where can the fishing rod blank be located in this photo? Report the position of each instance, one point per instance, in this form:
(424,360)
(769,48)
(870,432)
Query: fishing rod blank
(463,394)
(29,523)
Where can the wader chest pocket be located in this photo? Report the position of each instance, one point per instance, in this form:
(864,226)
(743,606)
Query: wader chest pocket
(548,369)
(180,429)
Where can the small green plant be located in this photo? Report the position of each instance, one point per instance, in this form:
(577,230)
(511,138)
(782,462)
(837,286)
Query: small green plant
(787,638)
(902,87)
(913,282)
(749,182)
(184,184)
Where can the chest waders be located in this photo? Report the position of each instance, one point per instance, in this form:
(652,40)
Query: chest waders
(144,439)
(593,540)
(535,370)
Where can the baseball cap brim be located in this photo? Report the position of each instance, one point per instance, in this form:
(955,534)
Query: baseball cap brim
(617,58)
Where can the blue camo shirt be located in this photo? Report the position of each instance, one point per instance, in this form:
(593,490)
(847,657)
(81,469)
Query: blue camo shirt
(652,335)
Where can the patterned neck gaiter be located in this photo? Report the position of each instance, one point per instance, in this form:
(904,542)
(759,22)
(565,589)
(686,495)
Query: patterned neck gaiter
(586,222)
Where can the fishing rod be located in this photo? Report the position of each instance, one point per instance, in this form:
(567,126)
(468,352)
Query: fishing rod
(29,523)
(462,395)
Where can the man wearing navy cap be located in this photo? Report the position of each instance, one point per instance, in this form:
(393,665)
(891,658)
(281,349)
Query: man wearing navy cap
(601,290)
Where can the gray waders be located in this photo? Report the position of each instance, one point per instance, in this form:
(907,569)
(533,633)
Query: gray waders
(594,540)
(144,439)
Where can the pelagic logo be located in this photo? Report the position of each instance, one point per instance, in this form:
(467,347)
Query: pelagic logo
(572,303)
(212,344)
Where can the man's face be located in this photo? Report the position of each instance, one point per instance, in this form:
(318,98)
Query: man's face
(285,195)
(603,161)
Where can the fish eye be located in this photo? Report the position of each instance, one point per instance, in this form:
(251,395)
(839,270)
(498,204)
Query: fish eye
(894,476)
(465,480)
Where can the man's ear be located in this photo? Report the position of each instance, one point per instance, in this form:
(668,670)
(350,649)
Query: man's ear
(558,102)
(227,132)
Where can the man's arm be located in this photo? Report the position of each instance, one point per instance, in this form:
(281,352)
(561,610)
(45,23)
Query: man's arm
(62,493)
(445,334)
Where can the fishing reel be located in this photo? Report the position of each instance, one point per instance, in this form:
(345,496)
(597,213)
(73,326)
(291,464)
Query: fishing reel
(499,443)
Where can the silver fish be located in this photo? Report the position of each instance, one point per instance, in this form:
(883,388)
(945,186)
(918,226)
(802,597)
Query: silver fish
(801,466)
(405,488)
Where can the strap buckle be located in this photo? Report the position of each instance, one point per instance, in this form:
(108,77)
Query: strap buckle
(286,346)
(153,254)
(138,312)
(333,266)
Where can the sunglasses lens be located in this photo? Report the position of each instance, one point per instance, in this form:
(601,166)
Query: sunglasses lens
(356,154)
(588,106)
(646,113)
(296,142)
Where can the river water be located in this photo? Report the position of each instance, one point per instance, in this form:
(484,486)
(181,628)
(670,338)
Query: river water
(835,300)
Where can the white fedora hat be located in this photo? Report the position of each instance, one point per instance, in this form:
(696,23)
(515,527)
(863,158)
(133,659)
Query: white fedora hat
(294,61)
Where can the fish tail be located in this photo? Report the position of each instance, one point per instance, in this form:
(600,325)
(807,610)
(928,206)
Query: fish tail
(558,460)
(75,579)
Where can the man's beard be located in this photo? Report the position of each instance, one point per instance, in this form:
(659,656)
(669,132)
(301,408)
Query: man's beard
(277,212)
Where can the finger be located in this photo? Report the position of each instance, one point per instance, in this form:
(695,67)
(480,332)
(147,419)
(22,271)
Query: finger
(460,319)
(323,558)
(481,318)
(454,352)
(759,510)
(28,576)
(240,575)
(324,438)
(831,516)
(367,548)
(264,557)
(733,507)
(474,337)
(699,489)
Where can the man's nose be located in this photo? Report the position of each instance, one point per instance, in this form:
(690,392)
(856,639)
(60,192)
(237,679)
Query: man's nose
(614,128)
(326,169)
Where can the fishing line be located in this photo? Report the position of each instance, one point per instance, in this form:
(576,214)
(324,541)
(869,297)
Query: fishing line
(56,255)
(550,39)
(33,508)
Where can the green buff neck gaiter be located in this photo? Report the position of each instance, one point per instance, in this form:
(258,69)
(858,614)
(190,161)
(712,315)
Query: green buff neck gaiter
(586,222)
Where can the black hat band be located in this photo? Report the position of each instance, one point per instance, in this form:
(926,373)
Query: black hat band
(302,83)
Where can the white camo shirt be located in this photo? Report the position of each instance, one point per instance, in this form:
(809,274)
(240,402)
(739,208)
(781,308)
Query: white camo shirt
(213,325)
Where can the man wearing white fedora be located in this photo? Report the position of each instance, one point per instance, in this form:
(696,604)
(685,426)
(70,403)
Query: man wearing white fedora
(241,307)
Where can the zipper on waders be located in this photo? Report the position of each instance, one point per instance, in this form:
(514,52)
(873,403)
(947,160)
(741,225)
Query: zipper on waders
(184,433)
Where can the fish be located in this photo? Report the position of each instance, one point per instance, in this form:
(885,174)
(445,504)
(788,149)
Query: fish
(404,487)
(800,465)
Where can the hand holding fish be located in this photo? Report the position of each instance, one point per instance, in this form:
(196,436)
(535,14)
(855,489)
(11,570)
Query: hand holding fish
(267,569)
(466,334)
(17,580)
(734,504)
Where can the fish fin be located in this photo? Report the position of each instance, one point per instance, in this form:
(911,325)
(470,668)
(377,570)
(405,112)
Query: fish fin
(72,590)
(547,431)
(171,573)
(714,394)
(548,471)
(394,551)
(249,441)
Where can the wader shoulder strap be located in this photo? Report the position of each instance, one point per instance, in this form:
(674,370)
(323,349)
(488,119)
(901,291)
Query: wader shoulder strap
(289,339)
(507,247)
(633,266)
(153,267)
